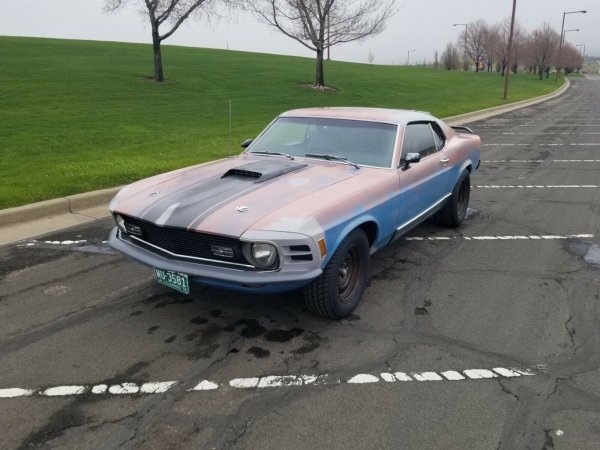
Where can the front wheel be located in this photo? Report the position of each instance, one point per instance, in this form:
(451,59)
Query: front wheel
(337,291)
(455,210)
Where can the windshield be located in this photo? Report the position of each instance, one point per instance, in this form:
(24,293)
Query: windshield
(365,143)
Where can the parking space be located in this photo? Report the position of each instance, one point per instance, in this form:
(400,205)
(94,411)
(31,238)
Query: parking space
(484,336)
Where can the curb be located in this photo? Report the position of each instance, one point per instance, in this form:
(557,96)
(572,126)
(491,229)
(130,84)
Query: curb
(74,203)
(489,112)
(70,204)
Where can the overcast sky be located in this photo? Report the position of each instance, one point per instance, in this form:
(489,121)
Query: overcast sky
(420,25)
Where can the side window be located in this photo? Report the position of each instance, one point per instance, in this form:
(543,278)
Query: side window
(438,136)
(418,138)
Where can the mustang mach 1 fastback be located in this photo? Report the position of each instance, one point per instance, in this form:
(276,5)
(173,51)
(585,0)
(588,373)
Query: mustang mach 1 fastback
(303,206)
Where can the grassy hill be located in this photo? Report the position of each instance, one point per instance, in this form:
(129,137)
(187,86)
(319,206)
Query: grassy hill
(81,115)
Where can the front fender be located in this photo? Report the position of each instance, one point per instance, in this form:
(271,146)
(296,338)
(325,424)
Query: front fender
(334,236)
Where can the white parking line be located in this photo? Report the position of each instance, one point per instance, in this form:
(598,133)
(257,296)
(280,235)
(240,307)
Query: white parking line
(270,381)
(501,238)
(67,242)
(34,242)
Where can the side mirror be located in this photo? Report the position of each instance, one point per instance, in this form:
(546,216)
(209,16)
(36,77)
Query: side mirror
(410,158)
(246,143)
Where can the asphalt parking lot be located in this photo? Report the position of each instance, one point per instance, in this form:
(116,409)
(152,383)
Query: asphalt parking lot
(487,336)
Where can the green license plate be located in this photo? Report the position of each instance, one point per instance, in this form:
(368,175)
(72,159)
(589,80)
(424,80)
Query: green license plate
(175,280)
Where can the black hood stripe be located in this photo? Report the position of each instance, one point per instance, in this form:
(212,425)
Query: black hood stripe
(190,205)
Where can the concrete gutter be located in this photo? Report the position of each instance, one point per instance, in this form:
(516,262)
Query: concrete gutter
(51,215)
(72,204)
(496,110)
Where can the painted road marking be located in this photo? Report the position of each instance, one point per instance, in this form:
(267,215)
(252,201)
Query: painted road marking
(16,392)
(64,390)
(205,385)
(270,381)
(501,238)
(538,186)
(34,242)
(509,237)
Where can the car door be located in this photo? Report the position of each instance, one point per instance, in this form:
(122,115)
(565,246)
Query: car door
(422,184)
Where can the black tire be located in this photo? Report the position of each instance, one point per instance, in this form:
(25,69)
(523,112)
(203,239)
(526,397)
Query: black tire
(455,210)
(337,291)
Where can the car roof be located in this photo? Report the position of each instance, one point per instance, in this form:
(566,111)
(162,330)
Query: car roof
(396,116)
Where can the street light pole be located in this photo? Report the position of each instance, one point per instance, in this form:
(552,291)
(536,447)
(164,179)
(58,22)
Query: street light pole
(408,57)
(565,34)
(562,33)
(582,54)
(466,66)
(509,51)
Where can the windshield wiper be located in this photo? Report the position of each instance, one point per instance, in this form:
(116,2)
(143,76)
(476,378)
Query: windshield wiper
(267,152)
(330,157)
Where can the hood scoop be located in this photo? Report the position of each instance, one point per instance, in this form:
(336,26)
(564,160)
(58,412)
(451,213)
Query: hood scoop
(262,171)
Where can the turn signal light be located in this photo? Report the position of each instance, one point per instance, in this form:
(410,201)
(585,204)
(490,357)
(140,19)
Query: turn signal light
(322,248)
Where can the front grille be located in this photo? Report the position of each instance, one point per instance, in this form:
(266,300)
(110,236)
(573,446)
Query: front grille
(189,243)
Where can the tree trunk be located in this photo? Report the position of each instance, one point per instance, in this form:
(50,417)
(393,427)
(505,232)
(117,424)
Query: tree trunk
(320,76)
(158,69)
(541,72)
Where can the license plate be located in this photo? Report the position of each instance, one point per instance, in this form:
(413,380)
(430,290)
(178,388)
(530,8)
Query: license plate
(174,280)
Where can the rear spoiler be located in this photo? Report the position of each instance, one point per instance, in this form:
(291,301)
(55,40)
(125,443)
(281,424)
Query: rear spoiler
(461,129)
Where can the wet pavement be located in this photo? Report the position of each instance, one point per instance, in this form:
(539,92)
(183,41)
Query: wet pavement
(487,336)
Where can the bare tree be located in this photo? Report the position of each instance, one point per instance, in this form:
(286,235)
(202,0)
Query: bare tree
(161,12)
(520,36)
(571,59)
(321,24)
(476,38)
(371,57)
(491,45)
(542,47)
(450,58)
(436,60)
(499,46)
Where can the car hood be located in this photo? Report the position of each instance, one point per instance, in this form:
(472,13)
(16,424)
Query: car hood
(226,197)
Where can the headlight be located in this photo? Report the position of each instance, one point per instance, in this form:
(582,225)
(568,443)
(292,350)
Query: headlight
(264,255)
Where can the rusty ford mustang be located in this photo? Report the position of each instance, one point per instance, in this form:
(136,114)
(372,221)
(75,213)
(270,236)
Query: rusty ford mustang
(303,206)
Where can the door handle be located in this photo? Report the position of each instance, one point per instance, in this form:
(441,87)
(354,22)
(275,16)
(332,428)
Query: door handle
(444,160)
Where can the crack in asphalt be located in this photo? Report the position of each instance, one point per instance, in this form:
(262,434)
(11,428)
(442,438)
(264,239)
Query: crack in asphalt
(506,390)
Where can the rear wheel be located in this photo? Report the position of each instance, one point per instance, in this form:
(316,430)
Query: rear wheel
(455,210)
(337,291)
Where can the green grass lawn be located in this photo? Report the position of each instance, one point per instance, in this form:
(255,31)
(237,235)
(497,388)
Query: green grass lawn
(80,115)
